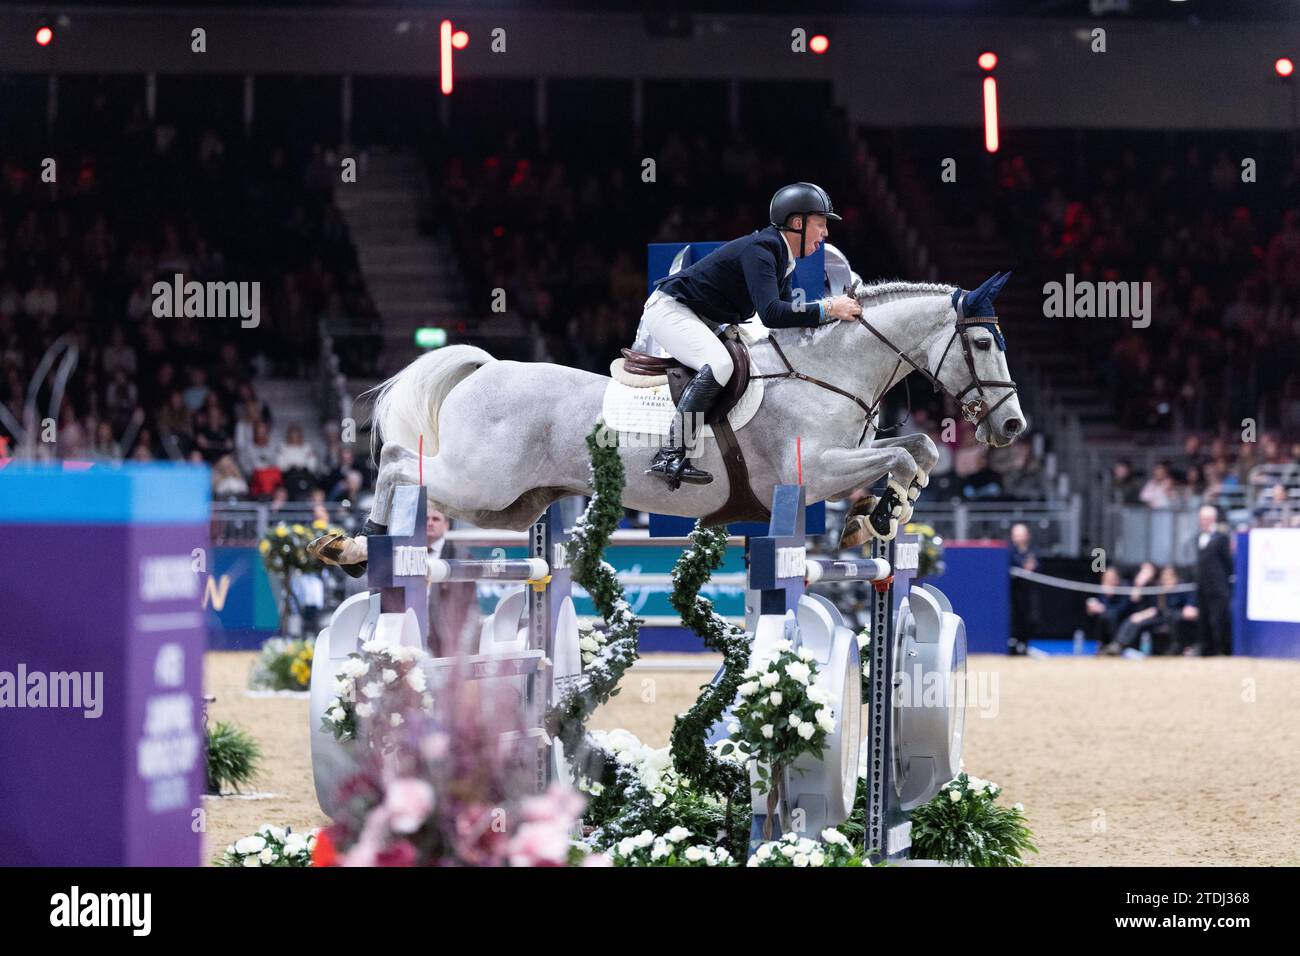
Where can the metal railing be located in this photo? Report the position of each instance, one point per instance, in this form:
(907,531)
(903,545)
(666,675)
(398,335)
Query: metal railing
(1056,526)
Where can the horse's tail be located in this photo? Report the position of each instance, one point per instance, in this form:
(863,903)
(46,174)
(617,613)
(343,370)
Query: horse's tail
(407,405)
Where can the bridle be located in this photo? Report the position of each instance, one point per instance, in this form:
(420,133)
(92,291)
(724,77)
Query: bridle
(974,410)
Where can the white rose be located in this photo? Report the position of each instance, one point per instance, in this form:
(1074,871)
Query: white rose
(954,795)
(659,799)
(252,861)
(677,834)
(267,856)
(788,851)
(389,675)
(798,671)
(795,720)
(694,854)
(250,844)
(415,680)
(747,688)
(831,835)
(800,859)
(589,644)
(342,688)
(770,679)
(768,730)
(661,850)
(783,646)
(805,654)
(365,710)
(373,690)
(354,667)
(817,858)
(775,698)
(825,720)
(806,730)
(763,852)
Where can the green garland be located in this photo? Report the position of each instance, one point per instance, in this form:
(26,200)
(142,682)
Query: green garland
(567,720)
(692,756)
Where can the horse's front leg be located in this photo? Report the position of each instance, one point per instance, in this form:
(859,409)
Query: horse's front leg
(924,452)
(844,469)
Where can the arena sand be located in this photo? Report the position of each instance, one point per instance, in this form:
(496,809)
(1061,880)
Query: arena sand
(1118,763)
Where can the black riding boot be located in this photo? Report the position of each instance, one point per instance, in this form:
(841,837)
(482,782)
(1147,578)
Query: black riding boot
(671,462)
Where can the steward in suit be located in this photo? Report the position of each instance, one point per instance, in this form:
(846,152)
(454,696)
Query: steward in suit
(1213,585)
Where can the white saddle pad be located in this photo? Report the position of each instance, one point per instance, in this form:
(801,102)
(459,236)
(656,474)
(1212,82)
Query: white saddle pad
(649,411)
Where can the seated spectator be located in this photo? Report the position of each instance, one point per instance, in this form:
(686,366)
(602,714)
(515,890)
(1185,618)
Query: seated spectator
(211,435)
(1167,616)
(1277,510)
(297,463)
(1105,612)
(119,355)
(1125,486)
(105,446)
(227,481)
(1159,490)
(174,425)
(350,489)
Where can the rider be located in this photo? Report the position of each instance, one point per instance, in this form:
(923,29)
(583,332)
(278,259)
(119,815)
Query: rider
(752,274)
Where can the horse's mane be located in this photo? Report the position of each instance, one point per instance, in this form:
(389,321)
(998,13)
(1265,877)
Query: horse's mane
(882,293)
(878,294)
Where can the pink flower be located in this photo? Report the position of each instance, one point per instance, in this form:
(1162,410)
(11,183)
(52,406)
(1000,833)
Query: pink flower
(434,746)
(408,803)
(540,844)
(559,804)
(598,859)
(478,842)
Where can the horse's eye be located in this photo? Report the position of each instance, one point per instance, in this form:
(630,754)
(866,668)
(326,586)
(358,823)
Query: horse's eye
(982,344)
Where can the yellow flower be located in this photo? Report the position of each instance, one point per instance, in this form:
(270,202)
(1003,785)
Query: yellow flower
(299,529)
(319,524)
(264,546)
(281,531)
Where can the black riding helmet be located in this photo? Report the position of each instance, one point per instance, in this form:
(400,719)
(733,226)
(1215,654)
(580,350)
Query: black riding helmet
(799,199)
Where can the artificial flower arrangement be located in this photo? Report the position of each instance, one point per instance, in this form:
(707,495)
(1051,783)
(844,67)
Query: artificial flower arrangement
(833,849)
(363,681)
(781,716)
(283,664)
(270,846)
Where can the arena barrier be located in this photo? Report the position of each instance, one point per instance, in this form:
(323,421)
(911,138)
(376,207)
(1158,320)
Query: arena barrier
(101,665)
(538,657)
(915,700)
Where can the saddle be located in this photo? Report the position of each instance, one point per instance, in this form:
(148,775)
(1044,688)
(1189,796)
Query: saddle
(741,504)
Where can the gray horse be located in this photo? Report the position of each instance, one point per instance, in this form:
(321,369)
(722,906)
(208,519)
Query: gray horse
(503,440)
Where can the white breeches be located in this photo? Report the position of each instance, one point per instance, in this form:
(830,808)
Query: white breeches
(685,337)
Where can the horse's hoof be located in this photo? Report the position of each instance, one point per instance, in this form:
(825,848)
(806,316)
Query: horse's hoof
(855,534)
(341,551)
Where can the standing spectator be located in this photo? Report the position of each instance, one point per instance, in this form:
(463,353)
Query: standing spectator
(297,463)
(174,426)
(1024,599)
(454,619)
(1213,587)
(1125,486)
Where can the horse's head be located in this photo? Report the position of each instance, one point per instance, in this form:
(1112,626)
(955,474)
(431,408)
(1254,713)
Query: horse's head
(971,365)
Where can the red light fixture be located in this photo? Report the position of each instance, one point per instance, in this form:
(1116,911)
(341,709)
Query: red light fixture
(988,60)
(819,44)
(1283,66)
(44,36)
(449,40)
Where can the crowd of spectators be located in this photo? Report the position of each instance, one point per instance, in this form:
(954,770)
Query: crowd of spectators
(79,258)
(1225,474)
(1221,254)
